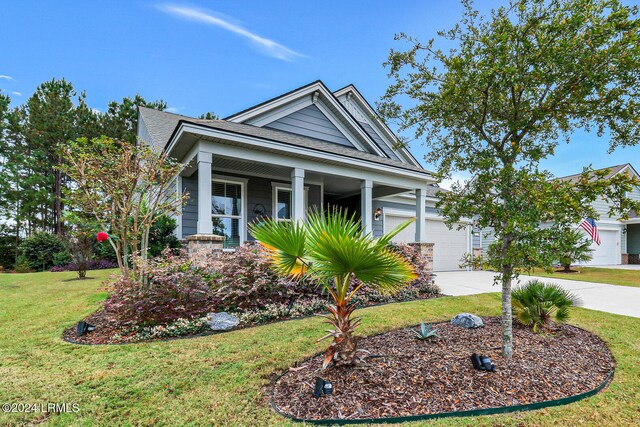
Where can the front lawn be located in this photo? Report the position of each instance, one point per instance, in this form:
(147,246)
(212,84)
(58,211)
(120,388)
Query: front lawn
(612,276)
(220,379)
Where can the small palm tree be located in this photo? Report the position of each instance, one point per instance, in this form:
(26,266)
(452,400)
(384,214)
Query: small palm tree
(331,247)
(536,303)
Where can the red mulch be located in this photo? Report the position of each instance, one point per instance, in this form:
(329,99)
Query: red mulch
(415,377)
(108,333)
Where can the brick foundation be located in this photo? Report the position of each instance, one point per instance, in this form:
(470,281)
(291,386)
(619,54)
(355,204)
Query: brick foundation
(200,247)
(634,259)
(625,259)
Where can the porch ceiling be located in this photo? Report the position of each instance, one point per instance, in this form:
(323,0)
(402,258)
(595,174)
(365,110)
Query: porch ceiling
(333,184)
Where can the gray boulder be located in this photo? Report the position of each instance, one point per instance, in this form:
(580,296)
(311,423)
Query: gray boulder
(467,320)
(222,321)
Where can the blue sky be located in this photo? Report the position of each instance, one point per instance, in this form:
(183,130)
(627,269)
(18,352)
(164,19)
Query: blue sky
(224,56)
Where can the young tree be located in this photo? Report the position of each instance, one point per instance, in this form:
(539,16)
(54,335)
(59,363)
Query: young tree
(331,248)
(571,247)
(500,101)
(126,188)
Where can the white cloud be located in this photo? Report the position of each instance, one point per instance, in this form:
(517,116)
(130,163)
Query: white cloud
(5,77)
(459,178)
(171,110)
(16,93)
(267,46)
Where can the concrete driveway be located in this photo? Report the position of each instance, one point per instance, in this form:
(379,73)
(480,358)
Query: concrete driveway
(623,300)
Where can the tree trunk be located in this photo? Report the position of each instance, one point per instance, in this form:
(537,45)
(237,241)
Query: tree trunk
(507,319)
(506,272)
(57,210)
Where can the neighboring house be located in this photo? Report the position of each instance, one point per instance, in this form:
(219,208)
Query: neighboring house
(620,239)
(309,148)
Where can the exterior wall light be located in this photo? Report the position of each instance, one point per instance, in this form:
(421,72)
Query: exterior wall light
(377,214)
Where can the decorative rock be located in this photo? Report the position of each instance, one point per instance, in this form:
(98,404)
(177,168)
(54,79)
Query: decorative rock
(222,321)
(467,320)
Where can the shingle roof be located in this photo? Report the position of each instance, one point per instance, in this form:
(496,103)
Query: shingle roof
(613,170)
(161,126)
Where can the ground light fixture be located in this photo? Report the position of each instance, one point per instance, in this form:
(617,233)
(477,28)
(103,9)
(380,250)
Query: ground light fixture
(322,387)
(482,363)
(84,327)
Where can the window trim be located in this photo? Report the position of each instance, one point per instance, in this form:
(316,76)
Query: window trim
(243,203)
(277,186)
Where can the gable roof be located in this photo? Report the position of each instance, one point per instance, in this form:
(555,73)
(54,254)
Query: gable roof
(380,126)
(163,126)
(613,170)
(319,91)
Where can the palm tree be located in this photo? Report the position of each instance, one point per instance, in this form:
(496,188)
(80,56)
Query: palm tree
(331,248)
(536,303)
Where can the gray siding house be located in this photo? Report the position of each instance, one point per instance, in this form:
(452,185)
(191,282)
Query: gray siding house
(620,239)
(309,148)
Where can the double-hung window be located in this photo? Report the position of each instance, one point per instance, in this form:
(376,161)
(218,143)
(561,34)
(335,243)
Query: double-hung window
(227,211)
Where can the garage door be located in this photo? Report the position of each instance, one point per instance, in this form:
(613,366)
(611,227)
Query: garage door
(608,252)
(449,245)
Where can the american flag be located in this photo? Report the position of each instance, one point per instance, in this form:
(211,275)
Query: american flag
(589,225)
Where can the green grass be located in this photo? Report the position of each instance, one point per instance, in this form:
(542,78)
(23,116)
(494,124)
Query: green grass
(611,276)
(221,379)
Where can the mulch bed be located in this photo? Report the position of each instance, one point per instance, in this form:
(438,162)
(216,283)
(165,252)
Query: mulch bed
(413,377)
(107,333)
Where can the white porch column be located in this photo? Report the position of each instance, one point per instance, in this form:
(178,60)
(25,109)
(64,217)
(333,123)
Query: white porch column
(205,225)
(420,214)
(297,193)
(366,204)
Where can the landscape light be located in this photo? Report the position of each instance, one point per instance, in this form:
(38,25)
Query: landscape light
(84,327)
(482,363)
(322,387)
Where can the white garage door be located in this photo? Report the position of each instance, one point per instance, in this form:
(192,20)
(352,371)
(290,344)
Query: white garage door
(608,252)
(449,245)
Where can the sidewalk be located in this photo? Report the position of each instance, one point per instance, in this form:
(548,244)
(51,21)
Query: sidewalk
(615,299)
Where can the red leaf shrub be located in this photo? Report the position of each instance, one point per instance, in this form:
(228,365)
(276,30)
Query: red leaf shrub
(175,289)
(246,281)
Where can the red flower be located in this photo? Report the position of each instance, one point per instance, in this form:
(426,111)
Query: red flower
(102,236)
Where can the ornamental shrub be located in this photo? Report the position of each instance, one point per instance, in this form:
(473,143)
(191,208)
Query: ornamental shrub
(174,288)
(536,303)
(41,250)
(246,281)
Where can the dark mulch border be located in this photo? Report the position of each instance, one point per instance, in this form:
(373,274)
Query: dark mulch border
(472,413)
(69,333)
(583,383)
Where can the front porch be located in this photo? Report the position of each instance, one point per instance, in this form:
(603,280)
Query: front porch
(229,193)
